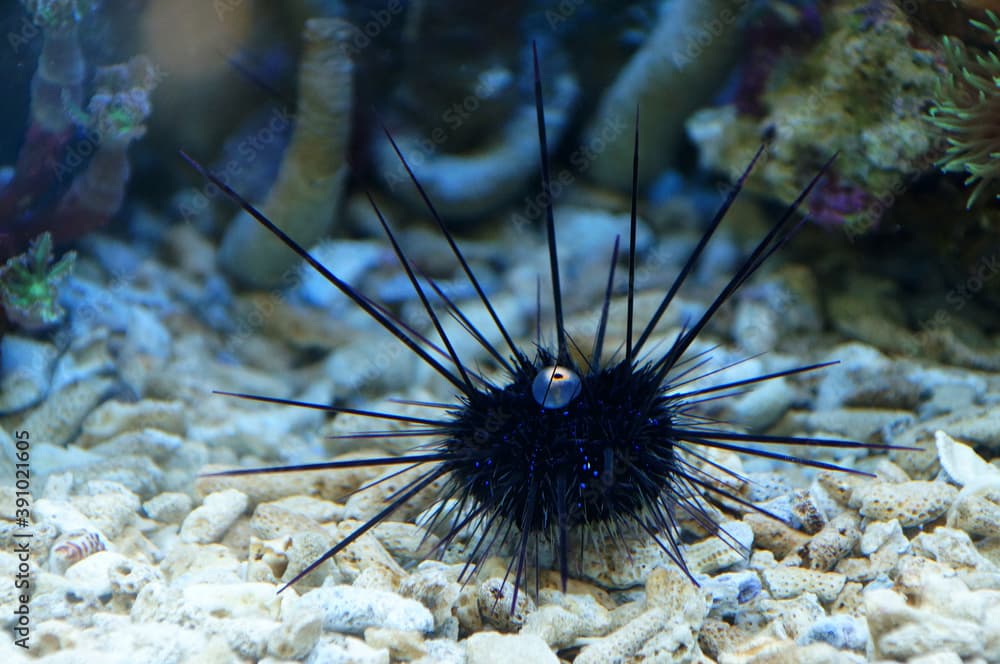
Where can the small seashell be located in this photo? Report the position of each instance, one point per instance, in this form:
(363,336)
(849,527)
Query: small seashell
(830,545)
(271,552)
(962,463)
(74,547)
(494,599)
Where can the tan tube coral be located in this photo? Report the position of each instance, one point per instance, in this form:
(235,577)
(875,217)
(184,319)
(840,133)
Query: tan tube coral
(679,67)
(472,183)
(307,192)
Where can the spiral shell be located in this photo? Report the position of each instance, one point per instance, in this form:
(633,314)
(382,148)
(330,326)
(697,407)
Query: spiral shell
(74,547)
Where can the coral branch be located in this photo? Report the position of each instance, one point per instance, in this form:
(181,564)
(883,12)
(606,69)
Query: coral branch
(305,196)
(117,113)
(680,65)
(58,82)
(468,184)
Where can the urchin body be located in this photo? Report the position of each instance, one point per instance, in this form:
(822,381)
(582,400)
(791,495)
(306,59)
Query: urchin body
(603,456)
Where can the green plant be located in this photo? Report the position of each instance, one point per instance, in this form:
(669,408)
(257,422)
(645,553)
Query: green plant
(29,284)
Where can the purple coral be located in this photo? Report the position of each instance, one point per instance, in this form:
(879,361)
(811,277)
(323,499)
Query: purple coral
(49,155)
(835,203)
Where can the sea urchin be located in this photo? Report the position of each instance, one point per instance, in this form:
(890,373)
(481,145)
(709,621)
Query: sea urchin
(607,445)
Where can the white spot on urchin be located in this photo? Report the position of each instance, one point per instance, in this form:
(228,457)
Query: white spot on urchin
(555,387)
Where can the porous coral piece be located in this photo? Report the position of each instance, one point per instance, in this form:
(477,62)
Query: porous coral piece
(402,645)
(304,549)
(365,553)
(807,512)
(303,200)
(115,417)
(57,419)
(405,541)
(881,546)
(332,484)
(270,521)
(774,535)
(666,627)
(299,631)
(830,545)
(933,610)
(785,582)
(912,503)
(352,610)
(715,553)
(209,522)
(563,619)
(285,542)
(955,549)
(977,511)
(493,648)
(435,585)
(109,505)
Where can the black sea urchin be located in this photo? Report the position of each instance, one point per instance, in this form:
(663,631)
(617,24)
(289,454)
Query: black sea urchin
(602,445)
